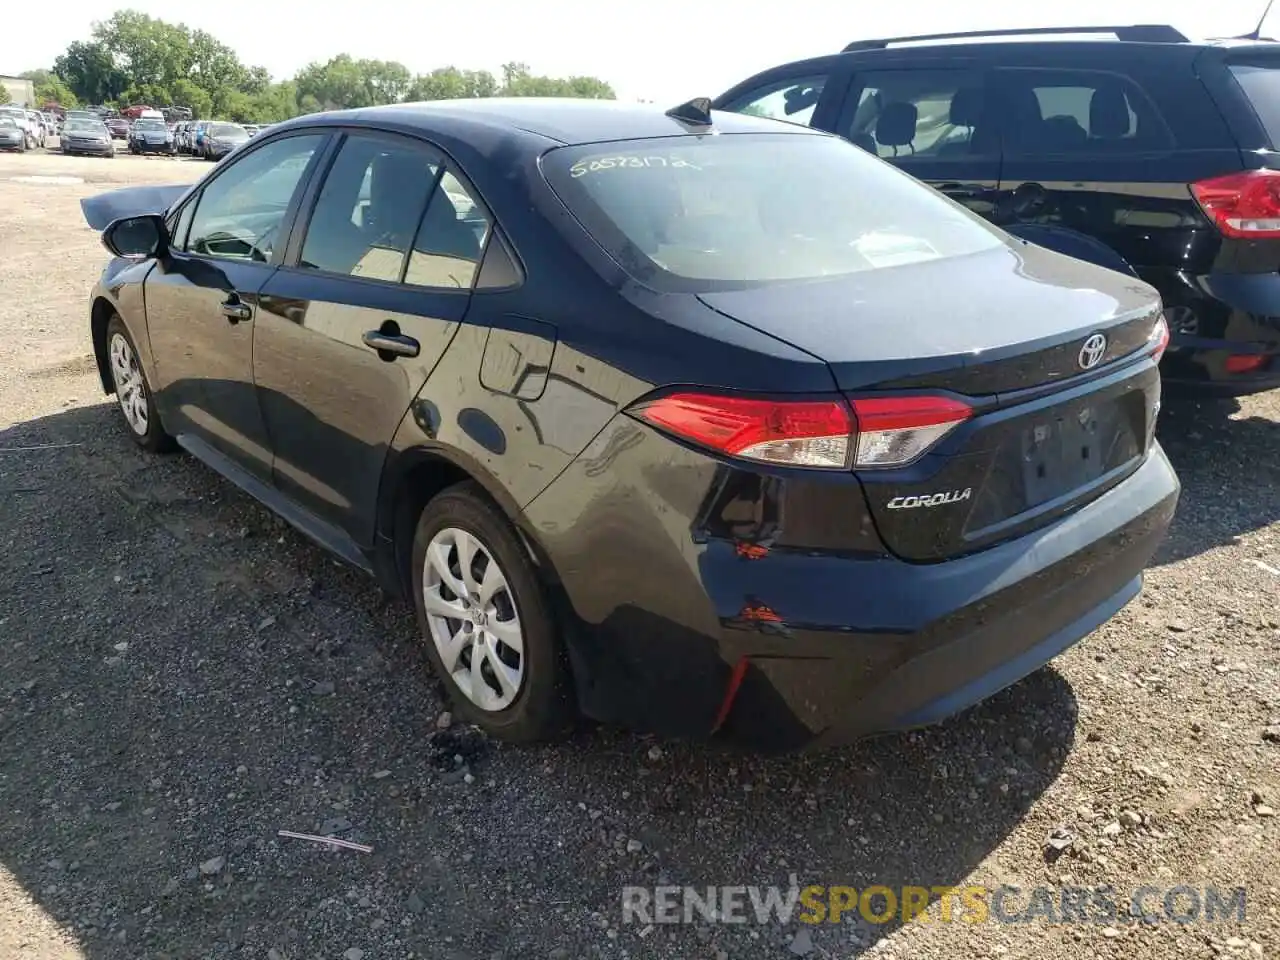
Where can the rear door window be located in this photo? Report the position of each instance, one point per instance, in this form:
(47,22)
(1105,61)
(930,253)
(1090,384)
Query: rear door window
(1261,85)
(1051,113)
(369,208)
(933,114)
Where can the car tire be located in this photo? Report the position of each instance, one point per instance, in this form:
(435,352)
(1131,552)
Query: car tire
(134,399)
(541,705)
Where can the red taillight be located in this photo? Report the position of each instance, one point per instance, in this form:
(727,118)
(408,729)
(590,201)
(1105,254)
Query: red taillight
(1159,338)
(1245,204)
(830,434)
(1245,362)
(893,431)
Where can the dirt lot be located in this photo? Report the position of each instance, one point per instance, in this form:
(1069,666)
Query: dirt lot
(181,676)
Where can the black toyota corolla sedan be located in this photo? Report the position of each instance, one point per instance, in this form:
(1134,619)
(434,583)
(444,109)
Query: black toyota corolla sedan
(695,422)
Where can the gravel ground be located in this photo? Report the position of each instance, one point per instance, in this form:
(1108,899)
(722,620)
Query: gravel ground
(181,676)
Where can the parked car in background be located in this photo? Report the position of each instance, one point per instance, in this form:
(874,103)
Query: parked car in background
(150,136)
(12,136)
(19,116)
(747,433)
(1129,146)
(221,138)
(39,132)
(252,129)
(119,127)
(86,136)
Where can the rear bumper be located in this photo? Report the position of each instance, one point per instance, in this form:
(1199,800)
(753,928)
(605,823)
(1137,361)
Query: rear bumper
(1233,347)
(811,648)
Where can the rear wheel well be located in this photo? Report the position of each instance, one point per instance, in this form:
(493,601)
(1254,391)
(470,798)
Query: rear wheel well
(100,316)
(423,482)
(416,489)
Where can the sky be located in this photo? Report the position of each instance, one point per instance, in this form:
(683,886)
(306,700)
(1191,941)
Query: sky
(660,50)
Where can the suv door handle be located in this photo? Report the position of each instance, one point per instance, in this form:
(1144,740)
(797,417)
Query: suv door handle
(962,191)
(235,311)
(396,344)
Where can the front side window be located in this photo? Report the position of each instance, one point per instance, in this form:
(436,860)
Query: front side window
(931,114)
(369,208)
(732,212)
(792,100)
(238,214)
(1070,112)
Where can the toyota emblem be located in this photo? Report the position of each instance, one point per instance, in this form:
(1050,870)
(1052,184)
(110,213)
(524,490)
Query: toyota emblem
(1092,352)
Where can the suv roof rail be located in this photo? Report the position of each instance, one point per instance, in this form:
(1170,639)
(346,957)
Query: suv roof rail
(1135,33)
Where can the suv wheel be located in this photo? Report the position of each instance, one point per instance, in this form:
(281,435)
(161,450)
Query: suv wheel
(132,391)
(489,633)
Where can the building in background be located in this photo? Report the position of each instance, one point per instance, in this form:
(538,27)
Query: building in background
(19,91)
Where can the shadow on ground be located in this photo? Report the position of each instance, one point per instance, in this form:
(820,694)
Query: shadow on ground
(181,677)
(1227,467)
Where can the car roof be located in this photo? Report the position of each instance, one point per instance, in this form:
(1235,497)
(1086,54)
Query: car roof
(563,120)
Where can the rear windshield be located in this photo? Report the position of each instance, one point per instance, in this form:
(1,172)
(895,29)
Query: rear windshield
(1261,84)
(227,130)
(734,211)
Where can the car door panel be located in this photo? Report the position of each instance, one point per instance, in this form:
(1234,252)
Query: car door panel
(204,359)
(523,443)
(202,296)
(1117,179)
(330,402)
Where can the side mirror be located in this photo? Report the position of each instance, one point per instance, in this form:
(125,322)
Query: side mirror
(136,238)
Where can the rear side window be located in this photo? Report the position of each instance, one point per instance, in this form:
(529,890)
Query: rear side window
(935,114)
(1261,85)
(368,210)
(732,212)
(792,100)
(1066,112)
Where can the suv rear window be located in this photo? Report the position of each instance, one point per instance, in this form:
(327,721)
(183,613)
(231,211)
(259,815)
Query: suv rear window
(1261,84)
(709,213)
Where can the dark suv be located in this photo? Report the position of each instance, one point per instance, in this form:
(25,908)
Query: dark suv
(1131,147)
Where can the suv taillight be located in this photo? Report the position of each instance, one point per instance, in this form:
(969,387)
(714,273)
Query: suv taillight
(1245,204)
(862,433)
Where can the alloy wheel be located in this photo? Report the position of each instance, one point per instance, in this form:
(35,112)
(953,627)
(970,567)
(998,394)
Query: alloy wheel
(472,617)
(131,390)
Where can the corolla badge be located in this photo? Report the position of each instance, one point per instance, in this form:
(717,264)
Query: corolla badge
(1091,354)
(930,499)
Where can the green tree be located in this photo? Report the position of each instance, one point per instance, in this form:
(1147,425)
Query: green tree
(148,51)
(450,83)
(277,102)
(343,83)
(517,81)
(50,87)
(188,93)
(135,58)
(90,71)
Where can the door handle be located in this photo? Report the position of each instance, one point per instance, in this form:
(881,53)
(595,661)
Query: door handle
(962,191)
(235,311)
(395,344)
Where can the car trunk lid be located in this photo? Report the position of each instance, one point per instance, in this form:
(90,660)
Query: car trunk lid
(1046,350)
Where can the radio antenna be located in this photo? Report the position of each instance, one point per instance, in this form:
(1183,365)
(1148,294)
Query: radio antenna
(1257,31)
